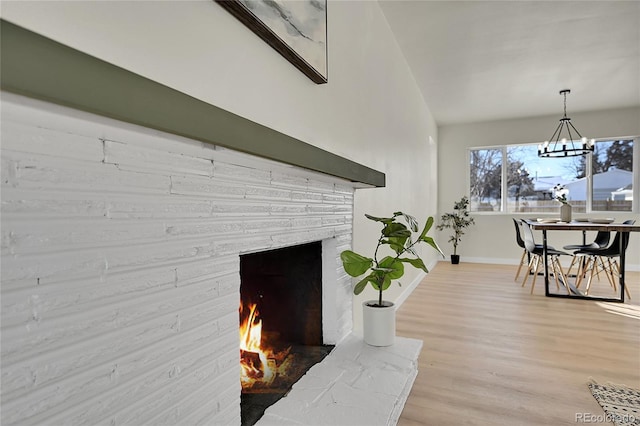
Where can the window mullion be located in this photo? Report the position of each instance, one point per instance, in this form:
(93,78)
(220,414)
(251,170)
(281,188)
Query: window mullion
(635,192)
(588,168)
(504,187)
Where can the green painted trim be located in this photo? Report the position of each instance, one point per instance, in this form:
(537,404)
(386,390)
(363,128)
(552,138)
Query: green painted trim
(41,68)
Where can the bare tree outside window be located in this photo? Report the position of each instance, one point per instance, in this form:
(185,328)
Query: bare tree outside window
(578,165)
(521,194)
(486,180)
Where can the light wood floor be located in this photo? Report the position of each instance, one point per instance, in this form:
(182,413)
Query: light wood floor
(494,354)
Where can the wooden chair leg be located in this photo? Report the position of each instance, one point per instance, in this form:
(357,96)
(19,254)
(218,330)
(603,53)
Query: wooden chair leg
(602,268)
(564,277)
(573,262)
(554,259)
(615,272)
(535,274)
(529,269)
(626,288)
(613,268)
(594,266)
(583,271)
(524,253)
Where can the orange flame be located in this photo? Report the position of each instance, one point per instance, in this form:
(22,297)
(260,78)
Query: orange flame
(250,349)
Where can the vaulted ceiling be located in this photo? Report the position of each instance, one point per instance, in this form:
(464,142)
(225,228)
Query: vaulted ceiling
(486,60)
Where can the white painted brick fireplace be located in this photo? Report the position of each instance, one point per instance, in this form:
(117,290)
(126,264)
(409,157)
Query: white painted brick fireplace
(120,266)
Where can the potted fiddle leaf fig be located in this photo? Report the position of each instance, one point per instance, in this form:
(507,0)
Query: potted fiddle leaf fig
(458,221)
(379,315)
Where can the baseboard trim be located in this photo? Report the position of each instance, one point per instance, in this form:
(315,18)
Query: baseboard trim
(503,261)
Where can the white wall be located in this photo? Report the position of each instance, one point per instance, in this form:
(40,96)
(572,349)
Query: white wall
(493,237)
(370,111)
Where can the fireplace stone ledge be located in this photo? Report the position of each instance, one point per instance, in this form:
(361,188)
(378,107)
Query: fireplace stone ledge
(356,384)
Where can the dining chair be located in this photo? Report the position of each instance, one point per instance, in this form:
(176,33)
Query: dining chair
(518,223)
(598,260)
(520,242)
(600,242)
(537,252)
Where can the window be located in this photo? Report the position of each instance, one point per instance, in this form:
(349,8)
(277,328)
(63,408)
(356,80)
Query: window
(514,179)
(612,170)
(486,180)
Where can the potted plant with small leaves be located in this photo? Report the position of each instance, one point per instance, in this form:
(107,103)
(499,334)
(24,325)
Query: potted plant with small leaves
(379,315)
(458,221)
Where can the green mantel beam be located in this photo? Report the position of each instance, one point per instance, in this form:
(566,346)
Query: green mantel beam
(38,67)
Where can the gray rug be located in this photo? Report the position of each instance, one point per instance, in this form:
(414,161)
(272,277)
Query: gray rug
(620,403)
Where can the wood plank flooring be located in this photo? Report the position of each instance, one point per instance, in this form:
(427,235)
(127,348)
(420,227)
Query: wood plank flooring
(494,354)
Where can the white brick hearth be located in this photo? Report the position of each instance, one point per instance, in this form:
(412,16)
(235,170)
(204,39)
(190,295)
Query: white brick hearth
(120,272)
(356,384)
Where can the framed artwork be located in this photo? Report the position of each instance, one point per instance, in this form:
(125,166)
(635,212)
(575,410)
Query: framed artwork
(297,29)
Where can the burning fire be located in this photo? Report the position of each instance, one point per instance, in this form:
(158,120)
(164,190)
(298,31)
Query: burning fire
(254,362)
(260,364)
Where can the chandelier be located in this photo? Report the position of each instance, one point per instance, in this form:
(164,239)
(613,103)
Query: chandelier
(562,143)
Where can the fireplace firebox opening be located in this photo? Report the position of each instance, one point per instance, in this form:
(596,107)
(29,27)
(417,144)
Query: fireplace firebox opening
(281,333)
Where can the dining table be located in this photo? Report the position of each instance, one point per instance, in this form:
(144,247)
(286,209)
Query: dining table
(583,226)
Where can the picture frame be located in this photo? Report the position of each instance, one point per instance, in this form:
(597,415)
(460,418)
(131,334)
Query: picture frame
(296,29)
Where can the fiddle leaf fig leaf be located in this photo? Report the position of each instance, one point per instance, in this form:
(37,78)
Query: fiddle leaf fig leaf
(433,244)
(417,263)
(396,230)
(396,244)
(427,227)
(386,283)
(396,267)
(355,264)
(411,221)
(380,219)
(359,288)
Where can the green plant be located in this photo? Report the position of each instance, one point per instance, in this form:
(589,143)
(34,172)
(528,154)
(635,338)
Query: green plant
(458,221)
(399,238)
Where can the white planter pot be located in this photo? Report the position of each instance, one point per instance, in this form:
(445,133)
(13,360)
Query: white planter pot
(379,323)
